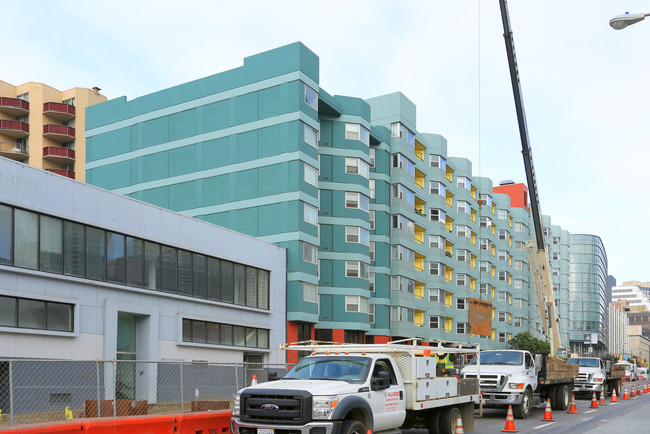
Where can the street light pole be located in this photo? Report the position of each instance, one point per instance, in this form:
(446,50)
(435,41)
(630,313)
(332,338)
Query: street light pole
(620,22)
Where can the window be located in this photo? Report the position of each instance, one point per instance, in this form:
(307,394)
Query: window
(463,182)
(503,317)
(463,231)
(371,314)
(26,239)
(211,333)
(356,234)
(310,292)
(437,161)
(310,214)
(436,242)
(437,188)
(401,253)
(520,227)
(486,198)
(461,303)
(396,129)
(556,271)
(546,231)
(356,166)
(503,276)
(371,219)
(36,314)
(556,240)
(309,253)
(372,250)
(519,322)
(503,337)
(371,187)
(373,153)
(503,214)
(484,288)
(556,256)
(485,222)
(371,282)
(401,222)
(311,97)
(502,255)
(519,265)
(436,268)
(463,207)
(356,303)
(518,284)
(519,303)
(519,246)
(436,295)
(503,234)
(502,296)
(357,132)
(356,269)
(134,262)
(463,255)
(311,175)
(437,215)
(484,266)
(485,244)
(356,200)
(311,136)
(435,323)
(461,327)
(462,279)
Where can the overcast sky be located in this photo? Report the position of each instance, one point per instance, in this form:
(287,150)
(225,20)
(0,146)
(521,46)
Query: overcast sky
(586,87)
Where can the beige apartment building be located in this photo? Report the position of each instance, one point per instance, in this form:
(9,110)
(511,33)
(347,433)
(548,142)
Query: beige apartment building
(44,127)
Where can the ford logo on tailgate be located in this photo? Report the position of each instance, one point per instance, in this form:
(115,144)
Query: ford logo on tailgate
(269,407)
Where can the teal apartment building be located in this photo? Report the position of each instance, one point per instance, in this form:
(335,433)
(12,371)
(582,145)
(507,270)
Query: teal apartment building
(387,236)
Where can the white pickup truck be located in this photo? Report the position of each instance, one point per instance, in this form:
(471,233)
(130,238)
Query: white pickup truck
(597,375)
(350,389)
(521,379)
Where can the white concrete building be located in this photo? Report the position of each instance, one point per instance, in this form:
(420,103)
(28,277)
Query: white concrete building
(634,295)
(618,329)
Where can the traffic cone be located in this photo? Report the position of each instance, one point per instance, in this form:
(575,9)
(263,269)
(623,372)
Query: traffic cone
(645,387)
(459,426)
(626,397)
(594,401)
(602,398)
(614,397)
(254,380)
(572,407)
(548,414)
(632,394)
(510,422)
(638,390)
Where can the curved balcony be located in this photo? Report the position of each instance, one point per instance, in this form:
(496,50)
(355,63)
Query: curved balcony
(59,133)
(14,106)
(59,155)
(62,172)
(14,151)
(14,128)
(59,111)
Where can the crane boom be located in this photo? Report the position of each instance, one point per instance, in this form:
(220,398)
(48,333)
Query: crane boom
(541,270)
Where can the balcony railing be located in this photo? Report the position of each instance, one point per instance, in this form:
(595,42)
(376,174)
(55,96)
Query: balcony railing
(60,133)
(58,154)
(14,151)
(14,128)
(14,106)
(62,172)
(59,110)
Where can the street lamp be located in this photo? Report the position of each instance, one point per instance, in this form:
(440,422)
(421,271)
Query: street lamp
(620,22)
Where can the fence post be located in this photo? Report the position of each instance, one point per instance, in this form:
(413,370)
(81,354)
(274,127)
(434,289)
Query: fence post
(114,362)
(99,399)
(182,400)
(236,379)
(11,391)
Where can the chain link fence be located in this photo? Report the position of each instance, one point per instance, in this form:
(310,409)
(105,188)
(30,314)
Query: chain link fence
(33,391)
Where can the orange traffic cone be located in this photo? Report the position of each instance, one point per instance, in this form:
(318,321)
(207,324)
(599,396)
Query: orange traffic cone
(645,387)
(572,407)
(614,397)
(632,393)
(626,397)
(594,401)
(459,426)
(510,422)
(548,414)
(638,390)
(602,398)
(254,380)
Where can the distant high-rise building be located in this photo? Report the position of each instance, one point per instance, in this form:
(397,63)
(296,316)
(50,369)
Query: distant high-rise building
(44,127)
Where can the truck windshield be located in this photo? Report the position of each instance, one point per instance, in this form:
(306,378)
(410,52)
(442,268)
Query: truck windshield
(350,369)
(499,358)
(586,363)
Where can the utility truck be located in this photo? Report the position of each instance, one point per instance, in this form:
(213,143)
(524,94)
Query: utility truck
(521,379)
(353,388)
(630,370)
(597,375)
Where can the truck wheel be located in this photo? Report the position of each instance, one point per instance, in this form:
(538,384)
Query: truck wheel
(433,421)
(448,420)
(617,386)
(552,395)
(352,426)
(562,397)
(522,411)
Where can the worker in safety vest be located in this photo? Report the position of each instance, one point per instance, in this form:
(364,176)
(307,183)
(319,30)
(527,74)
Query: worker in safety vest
(443,365)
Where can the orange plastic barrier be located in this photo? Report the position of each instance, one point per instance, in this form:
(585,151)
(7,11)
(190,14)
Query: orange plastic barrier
(72,427)
(213,422)
(161,424)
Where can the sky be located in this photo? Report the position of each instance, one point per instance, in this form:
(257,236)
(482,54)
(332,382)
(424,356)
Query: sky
(586,87)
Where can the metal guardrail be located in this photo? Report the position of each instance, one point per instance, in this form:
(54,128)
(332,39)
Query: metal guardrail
(33,391)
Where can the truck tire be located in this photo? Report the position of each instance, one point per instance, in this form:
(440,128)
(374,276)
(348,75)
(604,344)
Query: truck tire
(433,420)
(562,397)
(522,411)
(448,418)
(352,426)
(617,386)
(552,395)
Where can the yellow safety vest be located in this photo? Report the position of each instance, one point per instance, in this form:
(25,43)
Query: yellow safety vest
(446,361)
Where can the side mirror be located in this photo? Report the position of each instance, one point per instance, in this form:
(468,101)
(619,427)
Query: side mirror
(380,381)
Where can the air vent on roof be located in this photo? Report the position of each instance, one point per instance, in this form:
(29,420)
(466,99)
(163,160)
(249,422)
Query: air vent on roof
(507,182)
